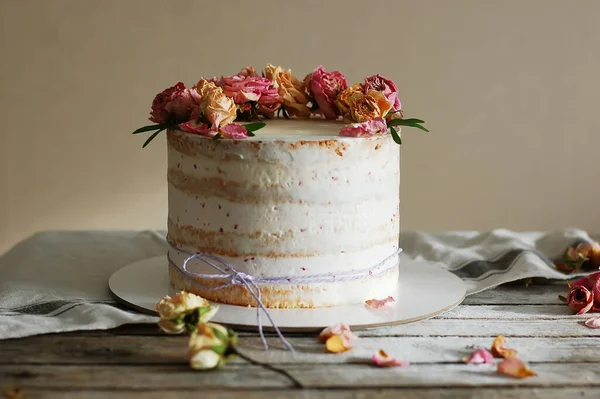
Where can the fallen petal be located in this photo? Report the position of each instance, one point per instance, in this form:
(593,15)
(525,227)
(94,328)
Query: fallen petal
(498,349)
(378,303)
(337,329)
(480,356)
(594,322)
(382,359)
(337,344)
(514,367)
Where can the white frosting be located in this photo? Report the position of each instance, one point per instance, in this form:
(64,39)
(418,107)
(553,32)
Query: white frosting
(295,199)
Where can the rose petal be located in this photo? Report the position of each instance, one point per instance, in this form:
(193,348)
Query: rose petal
(498,349)
(234,131)
(594,322)
(514,367)
(480,356)
(378,303)
(201,129)
(338,344)
(382,359)
(364,129)
(337,329)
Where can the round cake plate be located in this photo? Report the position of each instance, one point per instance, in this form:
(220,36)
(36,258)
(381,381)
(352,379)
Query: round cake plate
(424,290)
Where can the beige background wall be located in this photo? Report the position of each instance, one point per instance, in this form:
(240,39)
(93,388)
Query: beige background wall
(509,89)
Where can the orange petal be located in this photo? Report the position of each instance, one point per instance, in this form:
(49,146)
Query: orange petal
(514,367)
(382,359)
(378,303)
(498,349)
(337,344)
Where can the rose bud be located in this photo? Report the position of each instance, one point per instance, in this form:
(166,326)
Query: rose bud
(580,300)
(210,346)
(183,311)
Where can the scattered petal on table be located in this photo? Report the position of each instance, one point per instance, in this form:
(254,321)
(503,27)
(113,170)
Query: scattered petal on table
(480,356)
(382,359)
(378,303)
(498,349)
(338,344)
(514,367)
(594,322)
(337,329)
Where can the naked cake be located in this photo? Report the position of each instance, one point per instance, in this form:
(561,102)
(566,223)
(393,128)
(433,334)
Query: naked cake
(302,200)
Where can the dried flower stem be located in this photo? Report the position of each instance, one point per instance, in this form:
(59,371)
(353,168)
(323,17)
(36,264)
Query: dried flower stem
(267,366)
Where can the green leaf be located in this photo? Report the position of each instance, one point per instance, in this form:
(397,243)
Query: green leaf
(407,122)
(250,134)
(219,349)
(395,135)
(152,137)
(217,136)
(421,127)
(149,128)
(220,336)
(252,127)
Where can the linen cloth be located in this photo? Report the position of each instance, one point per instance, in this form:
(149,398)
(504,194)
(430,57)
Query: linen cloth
(57,281)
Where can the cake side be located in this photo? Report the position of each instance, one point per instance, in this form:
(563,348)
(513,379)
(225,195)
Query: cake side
(289,204)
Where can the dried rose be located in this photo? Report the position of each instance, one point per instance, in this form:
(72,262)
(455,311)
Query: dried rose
(159,113)
(210,346)
(378,303)
(514,367)
(580,300)
(479,356)
(183,311)
(498,349)
(364,129)
(364,107)
(183,103)
(338,338)
(386,86)
(248,71)
(324,87)
(245,89)
(217,108)
(582,256)
(343,102)
(382,359)
(291,90)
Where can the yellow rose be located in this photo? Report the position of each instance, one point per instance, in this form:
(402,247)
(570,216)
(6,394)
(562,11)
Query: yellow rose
(290,89)
(184,311)
(366,107)
(343,102)
(218,109)
(210,346)
(203,87)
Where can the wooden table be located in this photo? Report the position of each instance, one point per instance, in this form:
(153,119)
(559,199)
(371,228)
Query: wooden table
(139,361)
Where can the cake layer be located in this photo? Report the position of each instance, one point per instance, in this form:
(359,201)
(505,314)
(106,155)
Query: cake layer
(295,198)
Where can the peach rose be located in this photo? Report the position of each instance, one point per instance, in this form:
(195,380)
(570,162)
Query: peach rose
(343,103)
(364,107)
(291,90)
(217,108)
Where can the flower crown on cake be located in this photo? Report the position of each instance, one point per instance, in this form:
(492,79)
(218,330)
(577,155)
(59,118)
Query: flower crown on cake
(213,107)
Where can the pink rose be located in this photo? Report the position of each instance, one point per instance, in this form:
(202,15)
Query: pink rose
(159,113)
(580,300)
(182,103)
(269,102)
(592,284)
(234,131)
(365,129)
(386,86)
(244,89)
(324,87)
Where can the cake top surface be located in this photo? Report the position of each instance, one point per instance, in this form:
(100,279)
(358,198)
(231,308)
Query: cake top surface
(299,129)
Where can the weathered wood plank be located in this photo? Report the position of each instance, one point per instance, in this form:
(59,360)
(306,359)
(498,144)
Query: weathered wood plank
(311,376)
(171,350)
(511,312)
(546,294)
(415,393)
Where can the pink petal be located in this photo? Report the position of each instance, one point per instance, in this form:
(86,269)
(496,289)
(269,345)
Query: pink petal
(382,359)
(202,129)
(364,129)
(480,356)
(594,322)
(378,303)
(234,131)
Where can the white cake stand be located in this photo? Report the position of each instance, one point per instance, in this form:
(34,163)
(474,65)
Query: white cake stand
(424,290)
